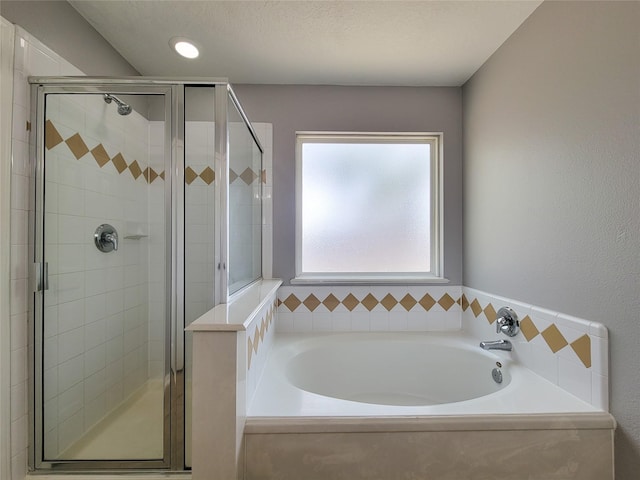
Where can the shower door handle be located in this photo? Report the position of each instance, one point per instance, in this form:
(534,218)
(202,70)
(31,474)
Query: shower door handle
(40,276)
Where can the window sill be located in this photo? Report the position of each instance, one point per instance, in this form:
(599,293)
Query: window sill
(368,280)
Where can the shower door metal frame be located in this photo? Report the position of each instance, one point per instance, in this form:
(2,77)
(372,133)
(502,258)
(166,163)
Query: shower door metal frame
(174,387)
(173,384)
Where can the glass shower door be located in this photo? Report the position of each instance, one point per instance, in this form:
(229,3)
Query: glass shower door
(101,324)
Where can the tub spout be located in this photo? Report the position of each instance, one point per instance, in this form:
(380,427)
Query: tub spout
(497,345)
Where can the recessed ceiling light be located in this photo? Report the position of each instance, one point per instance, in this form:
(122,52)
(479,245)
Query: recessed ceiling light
(184,47)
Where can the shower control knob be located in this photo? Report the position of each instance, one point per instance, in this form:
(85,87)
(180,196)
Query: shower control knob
(507,322)
(106,238)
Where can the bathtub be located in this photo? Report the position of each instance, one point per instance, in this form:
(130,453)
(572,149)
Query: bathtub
(385,406)
(382,374)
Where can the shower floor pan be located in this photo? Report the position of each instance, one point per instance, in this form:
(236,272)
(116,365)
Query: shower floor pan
(131,431)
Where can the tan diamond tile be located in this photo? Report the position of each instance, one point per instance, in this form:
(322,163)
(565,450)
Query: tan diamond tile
(554,338)
(189,175)
(464,302)
(248,176)
(350,302)
(77,146)
(582,347)
(119,162)
(389,302)
(427,302)
(256,339)
(331,302)
(370,302)
(263,176)
(150,174)
(100,154)
(51,135)
(207,175)
(446,301)
(311,302)
(476,308)
(292,302)
(233,176)
(490,313)
(263,328)
(161,175)
(135,170)
(528,328)
(408,302)
(249,352)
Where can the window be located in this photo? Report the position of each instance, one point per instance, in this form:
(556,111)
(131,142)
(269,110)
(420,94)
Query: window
(368,207)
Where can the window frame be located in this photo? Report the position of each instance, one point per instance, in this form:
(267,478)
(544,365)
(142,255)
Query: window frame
(435,140)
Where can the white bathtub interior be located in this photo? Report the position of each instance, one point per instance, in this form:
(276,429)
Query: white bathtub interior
(394,369)
(451,363)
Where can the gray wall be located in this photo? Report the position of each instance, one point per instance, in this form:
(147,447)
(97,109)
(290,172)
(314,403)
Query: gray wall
(361,109)
(552,181)
(67,33)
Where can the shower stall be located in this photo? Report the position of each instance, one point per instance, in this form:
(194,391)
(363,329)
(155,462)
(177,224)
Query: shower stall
(147,213)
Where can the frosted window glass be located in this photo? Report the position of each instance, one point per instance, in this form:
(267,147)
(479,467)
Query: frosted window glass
(366,207)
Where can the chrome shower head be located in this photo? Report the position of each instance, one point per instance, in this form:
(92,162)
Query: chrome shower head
(123,108)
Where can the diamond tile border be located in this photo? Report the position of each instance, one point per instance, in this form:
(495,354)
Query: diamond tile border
(369,301)
(78,147)
(248,176)
(256,338)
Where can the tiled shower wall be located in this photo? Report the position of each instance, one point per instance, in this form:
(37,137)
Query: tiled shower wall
(31,58)
(199,218)
(246,178)
(97,328)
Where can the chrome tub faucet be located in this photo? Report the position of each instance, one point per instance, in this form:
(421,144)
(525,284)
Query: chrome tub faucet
(507,323)
(497,345)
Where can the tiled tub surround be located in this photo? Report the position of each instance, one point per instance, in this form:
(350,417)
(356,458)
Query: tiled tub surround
(570,352)
(230,347)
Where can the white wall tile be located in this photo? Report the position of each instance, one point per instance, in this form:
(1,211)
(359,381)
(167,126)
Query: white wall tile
(70,373)
(70,315)
(70,344)
(18,366)
(70,402)
(574,378)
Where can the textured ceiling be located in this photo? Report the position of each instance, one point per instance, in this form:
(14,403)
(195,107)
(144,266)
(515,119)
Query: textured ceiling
(419,43)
